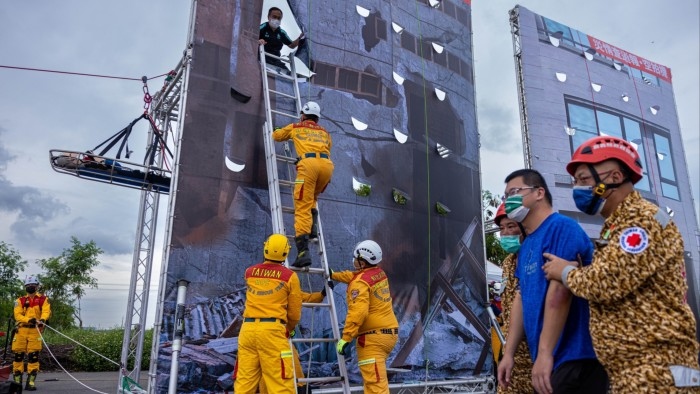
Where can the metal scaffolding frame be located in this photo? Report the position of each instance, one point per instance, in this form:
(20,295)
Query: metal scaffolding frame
(473,385)
(165,110)
(522,104)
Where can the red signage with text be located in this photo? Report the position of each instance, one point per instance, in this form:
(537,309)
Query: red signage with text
(629,59)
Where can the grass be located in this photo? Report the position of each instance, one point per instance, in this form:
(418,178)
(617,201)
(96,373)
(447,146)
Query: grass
(75,358)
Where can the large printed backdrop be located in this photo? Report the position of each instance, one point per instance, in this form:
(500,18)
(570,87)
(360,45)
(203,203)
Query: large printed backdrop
(435,262)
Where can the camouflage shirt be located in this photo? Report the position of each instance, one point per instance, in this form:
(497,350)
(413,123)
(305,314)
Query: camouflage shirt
(640,321)
(521,380)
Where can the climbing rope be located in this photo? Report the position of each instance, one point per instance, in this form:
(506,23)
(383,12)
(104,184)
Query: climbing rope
(427,172)
(79,344)
(77,73)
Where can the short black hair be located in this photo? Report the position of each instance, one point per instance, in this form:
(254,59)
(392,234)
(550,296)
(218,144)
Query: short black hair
(531,178)
(311,117)
(273,9)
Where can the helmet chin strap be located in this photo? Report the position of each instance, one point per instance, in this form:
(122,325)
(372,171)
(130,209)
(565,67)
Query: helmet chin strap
(600,188)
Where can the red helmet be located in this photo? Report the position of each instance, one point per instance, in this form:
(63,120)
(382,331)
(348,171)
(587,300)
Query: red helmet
(600,149)
(500,214)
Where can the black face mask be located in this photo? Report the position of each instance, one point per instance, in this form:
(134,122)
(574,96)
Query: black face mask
(31,289)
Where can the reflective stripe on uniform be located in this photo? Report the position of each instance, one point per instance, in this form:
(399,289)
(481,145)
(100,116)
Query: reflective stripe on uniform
(365,362)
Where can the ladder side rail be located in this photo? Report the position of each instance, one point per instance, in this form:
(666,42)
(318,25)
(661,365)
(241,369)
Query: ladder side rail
(273,183)
(295,83)
(335,326)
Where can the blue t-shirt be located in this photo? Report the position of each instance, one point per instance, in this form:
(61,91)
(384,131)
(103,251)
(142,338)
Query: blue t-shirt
(563,237)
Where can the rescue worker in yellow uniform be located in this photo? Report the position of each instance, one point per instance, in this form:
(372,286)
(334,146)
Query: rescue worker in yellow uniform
(301,387)
(370,316)
(31,313)
(272,310)
(312,144)
(643,330)
(512,235)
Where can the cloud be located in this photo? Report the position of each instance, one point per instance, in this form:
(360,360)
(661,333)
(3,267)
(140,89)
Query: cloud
(32,207)
(499,128)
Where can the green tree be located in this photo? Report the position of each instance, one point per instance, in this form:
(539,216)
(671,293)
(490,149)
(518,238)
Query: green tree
(494,251)
(66,278)
(11,264)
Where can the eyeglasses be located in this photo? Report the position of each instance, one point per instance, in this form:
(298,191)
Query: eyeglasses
(583,180)
(517,190)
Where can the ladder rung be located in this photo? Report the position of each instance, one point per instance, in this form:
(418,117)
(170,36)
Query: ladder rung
(293,116)
(313,340)
(282,94)
(325,379)
(315,305)
(284,182)
(286,159)
(288,209)
(309,270)
(276,74)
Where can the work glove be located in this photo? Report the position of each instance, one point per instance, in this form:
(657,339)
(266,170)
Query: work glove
(323,292)
(342,347)
(42,323)
(32,320)
(330,279)
(293,333)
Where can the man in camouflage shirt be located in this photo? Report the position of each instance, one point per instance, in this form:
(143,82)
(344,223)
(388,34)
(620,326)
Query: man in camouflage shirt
(643,330)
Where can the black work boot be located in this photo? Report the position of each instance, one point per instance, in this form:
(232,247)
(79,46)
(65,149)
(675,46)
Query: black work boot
(303,258)
(30,386)
(314,226)
(304,390)
(17,377)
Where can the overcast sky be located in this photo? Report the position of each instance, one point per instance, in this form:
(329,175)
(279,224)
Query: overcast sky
(40,209)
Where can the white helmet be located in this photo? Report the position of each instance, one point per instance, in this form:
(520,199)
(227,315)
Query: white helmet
(31,280)
(369,251)
(311,108)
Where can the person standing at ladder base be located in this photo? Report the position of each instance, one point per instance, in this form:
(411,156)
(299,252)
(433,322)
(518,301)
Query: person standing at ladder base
(272,311)
(31,313)
(272,36)
(314,171)
(370,316)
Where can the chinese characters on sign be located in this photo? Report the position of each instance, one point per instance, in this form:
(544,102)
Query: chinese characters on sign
(629,59)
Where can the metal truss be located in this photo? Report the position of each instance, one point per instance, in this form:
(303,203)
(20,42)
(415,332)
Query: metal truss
(475,385)
(522,104)
(164,111)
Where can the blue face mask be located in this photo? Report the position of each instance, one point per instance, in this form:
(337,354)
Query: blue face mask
(510,243)
(586,201)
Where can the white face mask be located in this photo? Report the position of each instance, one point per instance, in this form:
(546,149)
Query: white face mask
(274,23)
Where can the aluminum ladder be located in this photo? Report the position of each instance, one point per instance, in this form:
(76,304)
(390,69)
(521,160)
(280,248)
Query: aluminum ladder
(278,210)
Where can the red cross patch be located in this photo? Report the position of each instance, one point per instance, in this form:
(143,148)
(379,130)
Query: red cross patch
(634,240)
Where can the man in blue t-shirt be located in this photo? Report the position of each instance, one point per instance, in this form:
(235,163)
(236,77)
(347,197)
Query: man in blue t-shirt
(554,322)
(272,36)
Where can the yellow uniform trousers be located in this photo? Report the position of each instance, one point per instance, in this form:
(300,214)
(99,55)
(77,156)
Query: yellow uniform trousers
(298,370)
(26,341)
(372,351)
(264,353)
(313,175)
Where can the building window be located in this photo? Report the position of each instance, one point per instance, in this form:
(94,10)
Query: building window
(582,119)
(325,74)
(408,41)
(669,186)
(589,122)
(634,136)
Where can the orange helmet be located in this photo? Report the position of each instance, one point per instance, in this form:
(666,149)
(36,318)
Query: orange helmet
(500,214)
(600,149)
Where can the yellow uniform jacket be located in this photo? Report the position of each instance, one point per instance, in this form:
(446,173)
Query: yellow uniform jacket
(308,137)
(273,292)
(369,301)
(35,306)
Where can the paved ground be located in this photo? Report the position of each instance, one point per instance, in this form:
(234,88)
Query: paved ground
(100,382)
